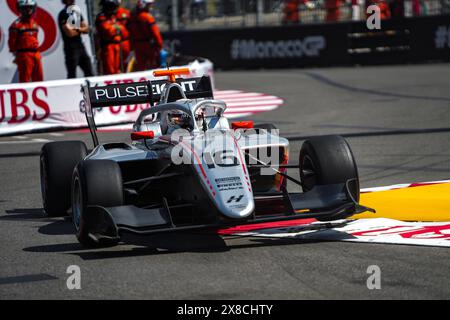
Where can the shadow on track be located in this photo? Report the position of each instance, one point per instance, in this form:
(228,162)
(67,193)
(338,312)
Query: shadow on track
(35,212)
(20,155)
(56,226)
(132,246)
(140,246)
(29,214)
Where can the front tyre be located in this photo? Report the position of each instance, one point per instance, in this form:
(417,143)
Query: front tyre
(94,183)
(328,160)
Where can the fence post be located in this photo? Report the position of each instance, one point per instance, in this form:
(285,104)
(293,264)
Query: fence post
(91,22)
(408,8)
(259,12)
(174,14)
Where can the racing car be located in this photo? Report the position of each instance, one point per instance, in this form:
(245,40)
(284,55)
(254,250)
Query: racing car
(188,167)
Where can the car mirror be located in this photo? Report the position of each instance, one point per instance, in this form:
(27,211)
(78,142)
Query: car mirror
(242,125)
(142,135)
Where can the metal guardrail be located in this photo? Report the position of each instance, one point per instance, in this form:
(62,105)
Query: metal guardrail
(206,14)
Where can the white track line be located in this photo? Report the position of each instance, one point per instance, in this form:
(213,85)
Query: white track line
(255,103)
(219,92)
(260,98)
(25,141)
(238,115)
(403,185)
(241,95)
(251,109)
(41,140)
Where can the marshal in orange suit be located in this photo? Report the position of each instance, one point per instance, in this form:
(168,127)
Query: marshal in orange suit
(123,17)
(145,37)
(23,43)
(110,33)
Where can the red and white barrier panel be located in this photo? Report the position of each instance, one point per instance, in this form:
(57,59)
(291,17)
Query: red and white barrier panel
(379,230)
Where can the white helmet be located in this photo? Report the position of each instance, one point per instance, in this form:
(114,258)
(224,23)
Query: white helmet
(26,3)
(142,3)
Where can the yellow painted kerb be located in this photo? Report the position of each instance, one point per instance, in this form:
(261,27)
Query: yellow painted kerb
(422,203)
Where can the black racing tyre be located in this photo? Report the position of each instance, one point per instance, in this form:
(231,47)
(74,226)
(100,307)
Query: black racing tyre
(57,161)
(328,160)
(270,127)
(99,183)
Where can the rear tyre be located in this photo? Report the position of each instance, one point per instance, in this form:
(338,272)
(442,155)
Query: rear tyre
(94,183)
(328,160)
(57,161)
(269,127)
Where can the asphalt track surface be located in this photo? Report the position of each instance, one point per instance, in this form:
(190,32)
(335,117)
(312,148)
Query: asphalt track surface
(397,121)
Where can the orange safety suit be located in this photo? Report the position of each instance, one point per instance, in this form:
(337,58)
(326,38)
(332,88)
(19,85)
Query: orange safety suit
(385,11)
(333,8)
(146,40)
(23,42)
(123,17)
(110,32)
(290,10)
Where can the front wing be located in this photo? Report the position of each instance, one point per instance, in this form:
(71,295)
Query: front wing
(326,201)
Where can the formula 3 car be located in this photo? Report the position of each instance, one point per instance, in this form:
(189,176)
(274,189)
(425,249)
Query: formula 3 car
(188,167)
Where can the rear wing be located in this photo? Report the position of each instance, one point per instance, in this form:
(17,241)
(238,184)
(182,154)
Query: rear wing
(144,92)
(138,93)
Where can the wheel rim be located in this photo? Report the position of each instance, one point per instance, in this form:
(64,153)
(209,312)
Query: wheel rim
(308,173)
(77,203)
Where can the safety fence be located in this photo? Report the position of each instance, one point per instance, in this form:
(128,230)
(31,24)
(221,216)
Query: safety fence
(341,43)
(206,14)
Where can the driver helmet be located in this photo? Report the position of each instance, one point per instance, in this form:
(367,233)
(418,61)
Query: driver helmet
(178,119)
(25,4)
(141,4)
(110,5)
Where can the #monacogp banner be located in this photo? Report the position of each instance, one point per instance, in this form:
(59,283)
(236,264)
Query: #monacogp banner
(51,44)
(39,106)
